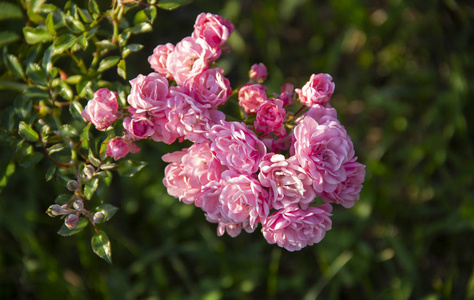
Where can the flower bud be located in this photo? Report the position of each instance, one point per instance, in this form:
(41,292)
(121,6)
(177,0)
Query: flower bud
(258,73)
(78,205)
(99,217)
(55,210)
(72,185)
(88,172)
(72,221)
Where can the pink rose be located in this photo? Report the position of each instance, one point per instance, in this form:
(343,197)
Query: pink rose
(236,146)
(210,87)
(191,120)
(190,58)
(158,59)
(318,90)
(148,92)
(102,110)
(322,149)
(119,147)
(347,192)
(214,29)
(293,228)
(289,184)
(243,199)
(161,133)
(200,165)
(258,73)
(287,94)
(270,117)
(251,96)
(138,126)
(321,114)
(176,181)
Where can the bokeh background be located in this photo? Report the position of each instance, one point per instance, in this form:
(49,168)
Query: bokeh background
(403,72)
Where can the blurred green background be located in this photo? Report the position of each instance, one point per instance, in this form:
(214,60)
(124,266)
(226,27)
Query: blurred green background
(403,72)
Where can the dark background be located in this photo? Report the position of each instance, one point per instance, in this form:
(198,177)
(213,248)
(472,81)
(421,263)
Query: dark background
(403,72)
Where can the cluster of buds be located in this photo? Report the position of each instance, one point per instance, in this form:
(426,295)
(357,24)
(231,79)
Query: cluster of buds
(270,169)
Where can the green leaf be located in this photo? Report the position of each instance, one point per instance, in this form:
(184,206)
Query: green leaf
(37,35)
(75,109)
(12,85)
(7,37)
(74,25)
(34,92)
(129,168)
(50,24)
(150,12)
(108,210)
(90,188)
(30,159)
(22,106)
(108,166)
(63,43)
(13,64)
(62,199)
(121,69)
(93,159)
(172,4)
(142,27)
(85,15)
(36,74)
(27,132)
(101,246)
(82,41)
(66,92)
(131,48)
(65,231)
(68,130)
(9,11)
(93,7)
(108,63)
(50,173)
(55,148)
(47,64)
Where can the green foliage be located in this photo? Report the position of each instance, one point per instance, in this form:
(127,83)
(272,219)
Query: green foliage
(403,72)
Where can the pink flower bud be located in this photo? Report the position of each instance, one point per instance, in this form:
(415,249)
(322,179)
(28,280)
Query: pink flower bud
(318,90)
(72,221)
(119,147)
(72,185)
(102,110)
(78,205)
(98,217)
(270,117)
(258,73)
(251,96)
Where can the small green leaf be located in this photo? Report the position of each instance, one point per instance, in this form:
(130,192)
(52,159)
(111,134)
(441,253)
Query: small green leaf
(131,48)
(150,12)
(65,231)
(55,148)
(108,166)
(50,173)
(90,188)
(75,109)
(108,63)
(36,74)
(9,11)
(142,27)
(85,15)
(68,130)
(101,246)
(129,168)
(63,43)
(37,93)
(93,7)
(82,41)
(108,210)
(37,35)
(13,64)
(121,69)
(172,4)
(27,132)
(47,64)
(66,92)
(62,199)
(74,25)
(7,37)
(50,24)
(30,159)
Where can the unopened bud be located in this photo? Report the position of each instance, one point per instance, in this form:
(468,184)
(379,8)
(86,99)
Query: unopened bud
(78,205)
(54,210)
(99,217)
(72,185)
(88,172)
(72,221)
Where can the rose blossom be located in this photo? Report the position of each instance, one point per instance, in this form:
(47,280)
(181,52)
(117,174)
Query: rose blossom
(138,126)
(258,73)
(200,165)
(176,181)
(287,94)
(243,199)
(119,147)
(293,228)
(289,184)
(190,58)
(158,59)
(270,117)
(251,96)
(102,109)
(322,149)
(236,146)
(210,87)
(214,29)
(191,120)
(318,90)
(148,92)
(347,192)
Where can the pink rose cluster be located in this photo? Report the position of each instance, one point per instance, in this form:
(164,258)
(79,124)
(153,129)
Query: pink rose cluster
(277,168)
